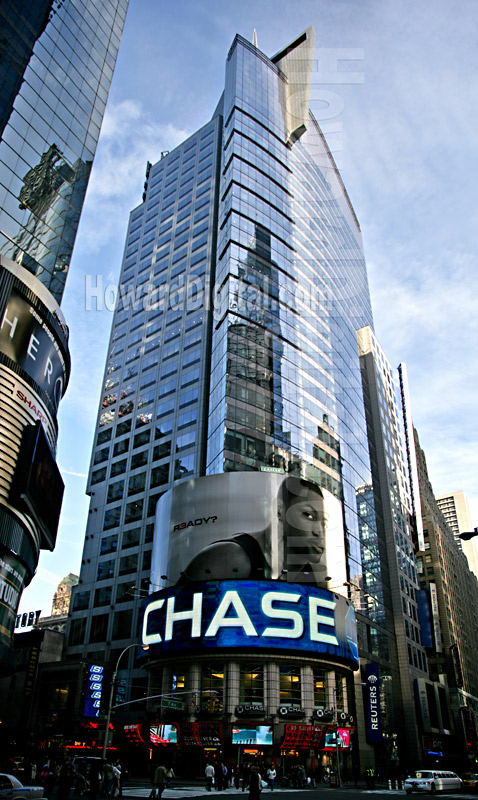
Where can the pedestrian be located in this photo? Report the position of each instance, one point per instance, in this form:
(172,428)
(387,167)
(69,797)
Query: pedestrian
(271,776)
(107,779)
(159,780)
(255,784)
(245,776)
(95,779)
(169,777)
(237,776)
(209,772)
(65,780)
(47,780)
(218,776)
(368,778)
(225,772)
(116,782)
(301,777)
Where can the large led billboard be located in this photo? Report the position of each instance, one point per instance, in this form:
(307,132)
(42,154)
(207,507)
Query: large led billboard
(249,525)
(248,614)
(261,734)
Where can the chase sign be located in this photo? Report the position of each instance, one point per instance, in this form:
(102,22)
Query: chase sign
(250,614)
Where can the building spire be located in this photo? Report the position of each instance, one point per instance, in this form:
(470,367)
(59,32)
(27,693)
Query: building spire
(254,38)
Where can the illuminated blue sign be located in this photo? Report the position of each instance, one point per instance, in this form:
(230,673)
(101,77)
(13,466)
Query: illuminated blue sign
(372,704)
(242,614)
(93,690)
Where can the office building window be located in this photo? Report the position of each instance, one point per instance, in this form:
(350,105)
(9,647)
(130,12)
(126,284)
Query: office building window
(106,569)
(102,596)
(128,564)
(99,628)
(212,686)
(252,684)
(290,686)
(77,632)
(122,622)
(109,544)
(81,601)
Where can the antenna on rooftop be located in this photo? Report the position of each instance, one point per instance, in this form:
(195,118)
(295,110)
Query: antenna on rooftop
(254,38)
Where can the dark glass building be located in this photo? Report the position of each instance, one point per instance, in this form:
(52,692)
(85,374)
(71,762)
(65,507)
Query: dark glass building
(56,63)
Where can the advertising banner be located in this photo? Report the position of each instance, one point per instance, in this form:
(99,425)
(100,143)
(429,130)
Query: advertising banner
(342,741)
(163,734)
(94,690)
(250,614)
(200,734)
(261,734)
(249,525)
(372,704)
(12,578)
(425,617)
(28,341)
(435,616)
(303,736)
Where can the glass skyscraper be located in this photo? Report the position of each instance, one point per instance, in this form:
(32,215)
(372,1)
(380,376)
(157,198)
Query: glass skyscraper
(56,63)
(56,68)
(233,349)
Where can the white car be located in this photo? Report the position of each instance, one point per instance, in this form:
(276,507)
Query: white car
(12,789)
(433,781)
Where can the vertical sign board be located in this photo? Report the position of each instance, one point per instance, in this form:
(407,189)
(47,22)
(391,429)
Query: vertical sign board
(12,578)
(94,690)
(425,617)
(436,617)
(372,704)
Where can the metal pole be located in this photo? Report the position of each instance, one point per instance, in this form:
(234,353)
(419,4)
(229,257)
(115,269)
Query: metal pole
(339,779)
(110,700)
(108,714)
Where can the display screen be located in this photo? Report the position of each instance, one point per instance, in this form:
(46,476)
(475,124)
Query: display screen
(26,338)
(163,734)
(302,736)
(38,482)
(261,734)
(250,614)
(344,739)
(249,526)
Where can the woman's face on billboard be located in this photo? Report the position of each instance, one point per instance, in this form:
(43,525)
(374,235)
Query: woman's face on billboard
(305,518)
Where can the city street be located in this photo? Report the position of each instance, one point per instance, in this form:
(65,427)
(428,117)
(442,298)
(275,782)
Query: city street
(348,792)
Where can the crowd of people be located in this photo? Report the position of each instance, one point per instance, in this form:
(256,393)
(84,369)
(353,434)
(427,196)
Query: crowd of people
(252,777)
(91,778)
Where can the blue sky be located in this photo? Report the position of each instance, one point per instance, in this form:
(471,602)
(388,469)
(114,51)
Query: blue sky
(402,125)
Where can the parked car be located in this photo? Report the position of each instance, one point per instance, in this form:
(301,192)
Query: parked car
(470,781)
(12,789)
(433,781)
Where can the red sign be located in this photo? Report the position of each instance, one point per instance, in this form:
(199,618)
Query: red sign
(200,734)
(302,736)
(134,734)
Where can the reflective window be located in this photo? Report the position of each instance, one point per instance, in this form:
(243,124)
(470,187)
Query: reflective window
(290,691)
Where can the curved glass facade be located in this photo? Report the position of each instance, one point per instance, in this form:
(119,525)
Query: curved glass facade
(56,73)
(291,292)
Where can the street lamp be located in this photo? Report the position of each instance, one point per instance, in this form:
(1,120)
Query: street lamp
(466,535)
(112,688)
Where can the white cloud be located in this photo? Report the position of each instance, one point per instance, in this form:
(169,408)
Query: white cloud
(75,474)
(129,138)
